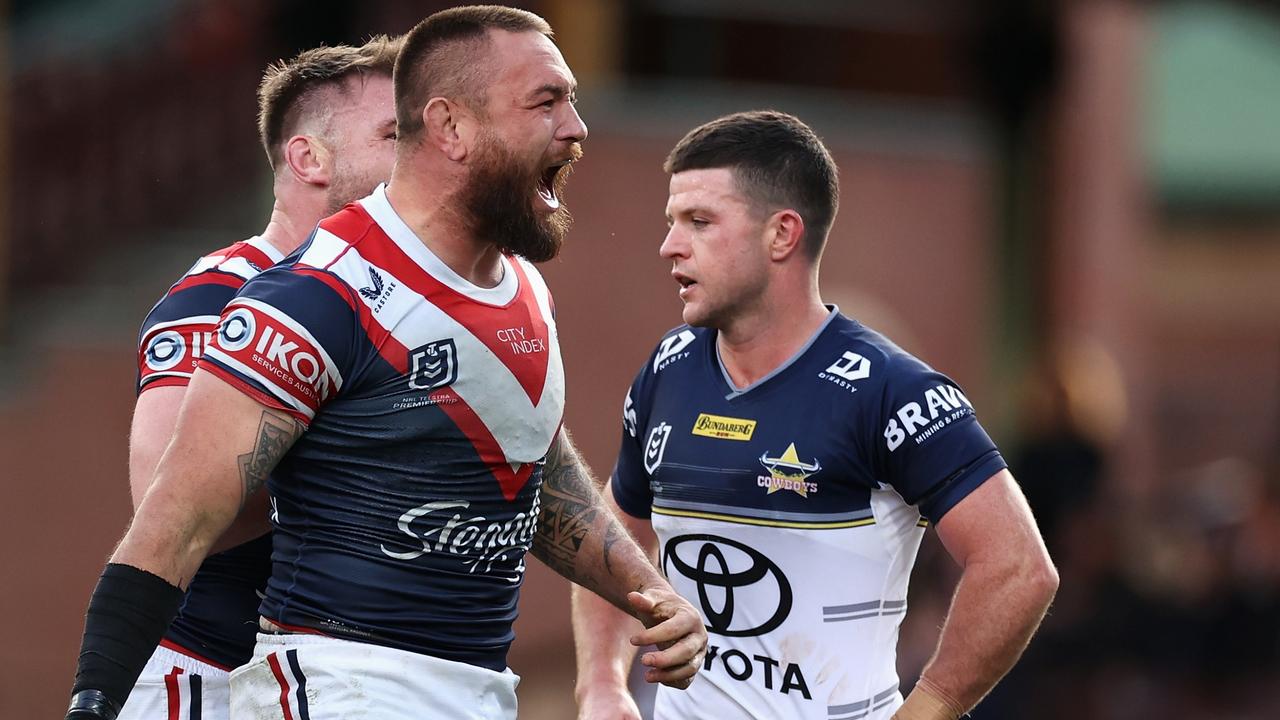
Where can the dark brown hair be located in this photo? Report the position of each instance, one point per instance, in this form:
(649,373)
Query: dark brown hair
(288,86)
(778,162)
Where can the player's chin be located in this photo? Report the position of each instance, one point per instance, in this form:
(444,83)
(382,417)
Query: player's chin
(694,314)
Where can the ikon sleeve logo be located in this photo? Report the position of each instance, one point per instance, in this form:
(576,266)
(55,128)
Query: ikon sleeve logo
(260,343)
(173,349)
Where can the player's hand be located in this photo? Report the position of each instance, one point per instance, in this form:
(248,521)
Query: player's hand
(676,628)
(613,703)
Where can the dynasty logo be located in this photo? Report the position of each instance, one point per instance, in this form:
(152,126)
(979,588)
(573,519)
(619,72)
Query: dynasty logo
(787,472)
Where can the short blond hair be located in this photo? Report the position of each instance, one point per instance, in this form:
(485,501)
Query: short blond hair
(288,86)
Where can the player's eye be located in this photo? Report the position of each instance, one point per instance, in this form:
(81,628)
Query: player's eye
(699,223)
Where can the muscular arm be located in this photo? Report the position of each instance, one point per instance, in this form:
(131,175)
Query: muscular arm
(224,446)
(603,638)
(154,417)
(1006,585)
(580,538)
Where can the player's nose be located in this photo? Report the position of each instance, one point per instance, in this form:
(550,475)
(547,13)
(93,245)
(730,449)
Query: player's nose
(674,245)
(572,129)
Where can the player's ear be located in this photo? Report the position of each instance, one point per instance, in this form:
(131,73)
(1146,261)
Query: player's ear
(449,127)
(308,160)
(784,231)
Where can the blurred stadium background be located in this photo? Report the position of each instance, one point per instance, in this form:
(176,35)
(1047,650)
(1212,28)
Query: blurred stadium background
(1072,208)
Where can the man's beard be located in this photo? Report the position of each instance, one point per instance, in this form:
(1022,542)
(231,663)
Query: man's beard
(499,197)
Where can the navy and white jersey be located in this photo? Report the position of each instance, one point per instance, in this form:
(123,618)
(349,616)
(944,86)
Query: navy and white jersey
(403,513)
(218,617)
(790,512)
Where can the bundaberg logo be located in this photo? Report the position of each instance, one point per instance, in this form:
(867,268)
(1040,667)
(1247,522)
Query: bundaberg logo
(723,428)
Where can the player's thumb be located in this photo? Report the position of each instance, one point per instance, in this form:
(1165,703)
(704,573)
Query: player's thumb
(641,603)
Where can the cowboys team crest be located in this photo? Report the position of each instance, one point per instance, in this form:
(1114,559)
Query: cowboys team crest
(788,472)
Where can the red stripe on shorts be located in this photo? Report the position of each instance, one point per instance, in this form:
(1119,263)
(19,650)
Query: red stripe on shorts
(274,662)
(171,692)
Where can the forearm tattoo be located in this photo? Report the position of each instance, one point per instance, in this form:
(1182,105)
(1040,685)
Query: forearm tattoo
(276,434)
(571,508)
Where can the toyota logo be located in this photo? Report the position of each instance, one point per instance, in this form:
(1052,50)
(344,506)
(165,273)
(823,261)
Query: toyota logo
(703,560)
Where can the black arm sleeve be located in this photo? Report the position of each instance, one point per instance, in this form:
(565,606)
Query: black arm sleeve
(128,613)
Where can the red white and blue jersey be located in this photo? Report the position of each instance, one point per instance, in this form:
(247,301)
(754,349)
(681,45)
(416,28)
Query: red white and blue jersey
(403,513)
(218,617)
(790,512)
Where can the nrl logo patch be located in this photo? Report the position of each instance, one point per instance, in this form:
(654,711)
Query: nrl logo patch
(656,446)
(433,365)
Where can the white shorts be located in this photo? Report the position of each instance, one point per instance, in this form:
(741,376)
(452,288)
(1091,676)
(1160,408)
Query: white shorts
(174,686)
(313,677)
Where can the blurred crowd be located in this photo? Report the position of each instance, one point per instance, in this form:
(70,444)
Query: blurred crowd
(1169,605)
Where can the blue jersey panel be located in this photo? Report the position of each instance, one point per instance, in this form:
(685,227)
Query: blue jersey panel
(805,446)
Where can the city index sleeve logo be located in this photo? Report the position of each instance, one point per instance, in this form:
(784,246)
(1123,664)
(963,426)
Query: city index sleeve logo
(723,428)
(673,349)
(943,405)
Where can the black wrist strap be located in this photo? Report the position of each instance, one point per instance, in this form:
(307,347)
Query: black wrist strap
(128,613)
(92,704)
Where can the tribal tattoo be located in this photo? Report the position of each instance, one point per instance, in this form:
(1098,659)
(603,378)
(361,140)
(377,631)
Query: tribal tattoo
(571,508)
(276,434)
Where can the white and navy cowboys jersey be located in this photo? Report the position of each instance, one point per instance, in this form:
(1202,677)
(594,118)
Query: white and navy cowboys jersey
(217,620)
(402,515)
(790,512)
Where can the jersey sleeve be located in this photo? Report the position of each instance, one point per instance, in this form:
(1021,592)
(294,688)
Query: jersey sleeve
(931,448)
(630,479)
(288,339)
(179,328)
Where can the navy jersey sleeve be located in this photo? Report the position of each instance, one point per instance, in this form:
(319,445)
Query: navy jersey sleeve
(179,328)
(288,339)
(630,479)
(931,448)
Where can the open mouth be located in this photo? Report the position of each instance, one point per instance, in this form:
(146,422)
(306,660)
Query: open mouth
(547,185)
(685,282)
